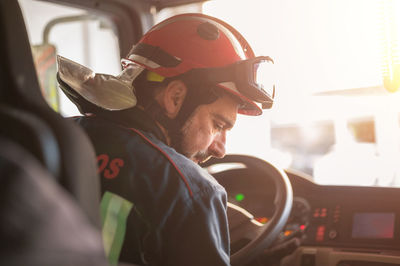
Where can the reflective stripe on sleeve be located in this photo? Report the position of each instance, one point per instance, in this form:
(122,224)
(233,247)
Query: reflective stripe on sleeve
(114,215)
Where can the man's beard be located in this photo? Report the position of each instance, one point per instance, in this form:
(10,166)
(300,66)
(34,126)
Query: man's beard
(177,140)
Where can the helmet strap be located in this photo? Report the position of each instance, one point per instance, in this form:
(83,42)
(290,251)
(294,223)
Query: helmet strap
(156,112)
(195,97)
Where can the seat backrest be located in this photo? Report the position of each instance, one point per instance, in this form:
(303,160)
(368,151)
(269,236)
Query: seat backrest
(32,134)
(40,223)
(69,156)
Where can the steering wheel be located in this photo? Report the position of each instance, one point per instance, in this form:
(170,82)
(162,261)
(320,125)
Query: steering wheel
(242,224)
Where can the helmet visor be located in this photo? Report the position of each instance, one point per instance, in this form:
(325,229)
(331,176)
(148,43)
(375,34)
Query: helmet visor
(264,76)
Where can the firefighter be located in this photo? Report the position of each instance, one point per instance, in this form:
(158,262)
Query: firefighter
(170,109)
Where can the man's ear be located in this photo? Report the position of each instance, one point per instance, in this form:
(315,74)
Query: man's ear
(173,97)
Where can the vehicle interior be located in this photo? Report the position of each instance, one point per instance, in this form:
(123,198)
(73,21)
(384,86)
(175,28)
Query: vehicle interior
(315,181)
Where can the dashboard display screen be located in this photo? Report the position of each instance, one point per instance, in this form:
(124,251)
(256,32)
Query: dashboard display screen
(373,225)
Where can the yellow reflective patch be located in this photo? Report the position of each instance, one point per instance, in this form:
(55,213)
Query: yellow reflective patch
(152,76)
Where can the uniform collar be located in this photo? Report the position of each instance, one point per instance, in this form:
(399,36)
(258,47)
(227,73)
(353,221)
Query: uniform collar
(135,118)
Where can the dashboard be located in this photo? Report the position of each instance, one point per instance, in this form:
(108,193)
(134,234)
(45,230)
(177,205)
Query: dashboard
(341,226)
(350,217)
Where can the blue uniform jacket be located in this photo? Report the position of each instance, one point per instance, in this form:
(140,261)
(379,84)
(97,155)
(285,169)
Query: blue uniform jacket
(158,208)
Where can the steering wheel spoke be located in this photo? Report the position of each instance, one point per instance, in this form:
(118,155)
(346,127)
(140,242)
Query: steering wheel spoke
(242,224)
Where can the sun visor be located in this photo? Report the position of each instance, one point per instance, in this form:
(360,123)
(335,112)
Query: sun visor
(109,92)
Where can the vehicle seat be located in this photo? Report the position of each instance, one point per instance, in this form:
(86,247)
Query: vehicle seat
(58,144)
(41,224)
(50,197)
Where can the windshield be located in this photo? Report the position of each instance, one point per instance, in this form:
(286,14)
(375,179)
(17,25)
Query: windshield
(336,114)
(333,118)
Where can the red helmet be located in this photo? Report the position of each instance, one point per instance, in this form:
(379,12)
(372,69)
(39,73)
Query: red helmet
(187,42)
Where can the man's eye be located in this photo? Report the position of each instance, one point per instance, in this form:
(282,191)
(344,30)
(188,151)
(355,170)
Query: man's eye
(218,126)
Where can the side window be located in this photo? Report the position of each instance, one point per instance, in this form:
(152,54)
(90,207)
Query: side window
(77,34)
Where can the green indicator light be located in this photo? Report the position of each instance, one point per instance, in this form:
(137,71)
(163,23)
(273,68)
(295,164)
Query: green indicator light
(239,197)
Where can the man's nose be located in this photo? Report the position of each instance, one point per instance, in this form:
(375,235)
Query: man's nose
(217,147)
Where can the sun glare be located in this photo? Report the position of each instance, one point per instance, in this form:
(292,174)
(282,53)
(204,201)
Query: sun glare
(391,44)
(346,50)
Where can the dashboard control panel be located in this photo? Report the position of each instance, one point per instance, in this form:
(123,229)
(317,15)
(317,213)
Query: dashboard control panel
(348,226)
